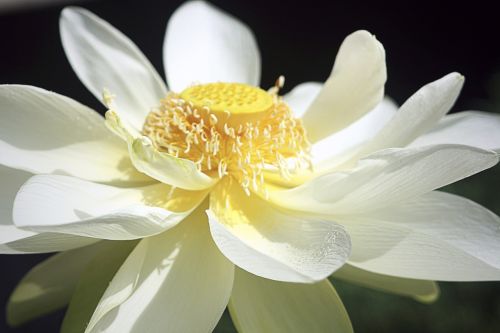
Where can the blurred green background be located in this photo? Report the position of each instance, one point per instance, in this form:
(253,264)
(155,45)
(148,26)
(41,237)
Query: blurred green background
(299,39)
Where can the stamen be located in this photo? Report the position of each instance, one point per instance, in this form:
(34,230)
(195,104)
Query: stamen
(236,130)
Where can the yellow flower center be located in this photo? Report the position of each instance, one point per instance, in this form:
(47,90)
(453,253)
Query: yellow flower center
(236,98)
(230,129)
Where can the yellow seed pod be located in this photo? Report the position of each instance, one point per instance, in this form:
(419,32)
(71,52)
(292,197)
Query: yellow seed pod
(236,98)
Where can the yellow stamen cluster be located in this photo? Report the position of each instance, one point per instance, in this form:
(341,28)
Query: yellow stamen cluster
(230,129)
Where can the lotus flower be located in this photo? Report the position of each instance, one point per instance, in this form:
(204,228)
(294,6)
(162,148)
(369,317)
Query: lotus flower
(216,193)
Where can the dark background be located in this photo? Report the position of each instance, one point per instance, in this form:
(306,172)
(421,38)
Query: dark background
(423,41)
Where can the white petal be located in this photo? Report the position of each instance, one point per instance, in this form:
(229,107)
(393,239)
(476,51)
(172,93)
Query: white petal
(274,244)
(17,241)
(472,128)
(103,58)
(438,236)
(161,166)
(93,282)
(49,285)
(203,44)
(14,240)
(12,180)
(355,86)
(43,132)
(386,178)
(166,168)
(327,151)
(422,290)
(69,205)
(418,114)
(261,305)
(340,149)
(174,282)
(301,97)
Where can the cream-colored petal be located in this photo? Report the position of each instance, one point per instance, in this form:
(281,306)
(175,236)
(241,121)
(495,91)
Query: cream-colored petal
(472,128)
(123,284)
(262,305)
(301,97)
(161,166)
(43,132)
(166,168)
(177,281)
(355,86)
(63,204)
(93,281)
(386,178)
(12,180)
(120,126)
(49,285)
(204,44)
(418,114)
(103,58)
(17,241)
(422,290)
(10,235)
(329,151)
(437,236)
(272,243)
(14,240)
(338,149)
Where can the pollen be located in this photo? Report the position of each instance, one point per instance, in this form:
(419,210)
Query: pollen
(230,129)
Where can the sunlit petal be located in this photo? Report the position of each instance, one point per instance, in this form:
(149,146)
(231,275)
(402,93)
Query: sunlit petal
(177,281)
(203,44)
(43,132)
(418,114)
(386,178)
(437,236)
(103,58)
(262,305)
(355,86)
(16,241)
(272,243)
(93,282)
(472,128)
(69,205)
